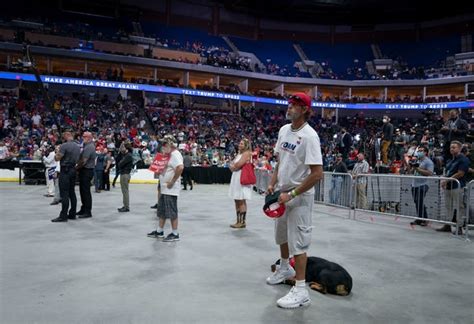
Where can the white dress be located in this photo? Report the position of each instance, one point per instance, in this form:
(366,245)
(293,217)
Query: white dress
(236,190)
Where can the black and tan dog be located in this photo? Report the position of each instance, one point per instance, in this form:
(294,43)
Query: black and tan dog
(324,276)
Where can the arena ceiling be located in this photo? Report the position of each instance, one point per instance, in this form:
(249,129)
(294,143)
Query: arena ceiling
(358,13)
(333,12)
(352,11)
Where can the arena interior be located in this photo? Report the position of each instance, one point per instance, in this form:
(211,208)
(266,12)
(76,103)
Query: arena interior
(116,116)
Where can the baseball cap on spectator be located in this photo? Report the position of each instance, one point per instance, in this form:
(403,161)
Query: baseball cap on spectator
(169,139)
(272,207)
(300,98)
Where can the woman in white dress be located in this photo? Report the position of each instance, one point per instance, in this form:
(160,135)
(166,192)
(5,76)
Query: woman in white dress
(237,191)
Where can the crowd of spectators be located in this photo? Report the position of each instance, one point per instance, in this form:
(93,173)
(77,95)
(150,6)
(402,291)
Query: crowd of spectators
(118,75)
(220,56)
(27,126)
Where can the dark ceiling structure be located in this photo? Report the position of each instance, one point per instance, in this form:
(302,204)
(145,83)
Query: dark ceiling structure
(319,12)
(351,12)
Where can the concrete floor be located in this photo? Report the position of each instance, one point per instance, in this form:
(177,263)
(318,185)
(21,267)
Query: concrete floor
(105,269)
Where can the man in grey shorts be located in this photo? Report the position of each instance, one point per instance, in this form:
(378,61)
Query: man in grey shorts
(298,170)
(170,184)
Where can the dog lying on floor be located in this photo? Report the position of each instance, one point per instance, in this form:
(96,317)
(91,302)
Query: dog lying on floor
(323,276)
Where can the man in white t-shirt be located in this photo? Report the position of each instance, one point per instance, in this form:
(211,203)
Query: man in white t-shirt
(170,185)
(299,168)
(36,119)
(4,154)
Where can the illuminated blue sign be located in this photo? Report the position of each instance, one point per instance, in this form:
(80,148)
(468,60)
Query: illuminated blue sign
(227,96)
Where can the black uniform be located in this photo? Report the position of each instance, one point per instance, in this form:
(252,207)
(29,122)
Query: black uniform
(187,162)
(67,179)
(86,173)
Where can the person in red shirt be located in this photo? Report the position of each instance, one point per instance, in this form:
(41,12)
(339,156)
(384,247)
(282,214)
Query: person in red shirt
(133,132)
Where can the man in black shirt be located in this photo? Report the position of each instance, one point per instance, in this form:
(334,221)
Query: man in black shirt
(456,168)
(86,172)
(345,143)
(118,158)
(187,162)
(68,156)
(125,166)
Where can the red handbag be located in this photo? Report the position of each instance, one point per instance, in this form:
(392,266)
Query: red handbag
(247,175)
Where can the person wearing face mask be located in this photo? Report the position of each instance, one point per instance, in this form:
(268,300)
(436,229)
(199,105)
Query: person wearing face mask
(86,167)
(125,166)
(387,136)
(423,167)
(361,167)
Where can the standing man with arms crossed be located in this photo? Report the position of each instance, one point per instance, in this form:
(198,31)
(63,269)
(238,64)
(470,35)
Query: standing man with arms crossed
(86,172)
(68,156)
(125,166)
(299,168)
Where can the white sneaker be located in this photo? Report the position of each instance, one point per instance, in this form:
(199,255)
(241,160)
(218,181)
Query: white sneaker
(297,297)
(281,275)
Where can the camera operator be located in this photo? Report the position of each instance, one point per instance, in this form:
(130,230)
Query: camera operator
(422,167)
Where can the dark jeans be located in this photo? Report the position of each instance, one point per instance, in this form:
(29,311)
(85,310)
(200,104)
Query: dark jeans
(419,194)
(106,180)
(67,180)
(98,179)
(187,178)
(85,177)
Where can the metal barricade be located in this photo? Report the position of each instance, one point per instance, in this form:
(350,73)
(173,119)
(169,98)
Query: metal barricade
(433,199)
(469,201)
(334,189)
(263,180)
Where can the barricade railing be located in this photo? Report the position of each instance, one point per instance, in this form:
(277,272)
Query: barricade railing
(263,180)
(469,202)
(424,199)
(334,189)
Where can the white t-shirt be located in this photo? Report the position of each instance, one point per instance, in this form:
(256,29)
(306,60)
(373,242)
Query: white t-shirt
(176,159)
(36,119)
(297,151)
(49,160)
(3,152)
